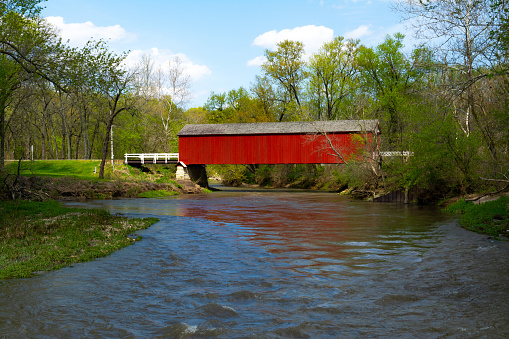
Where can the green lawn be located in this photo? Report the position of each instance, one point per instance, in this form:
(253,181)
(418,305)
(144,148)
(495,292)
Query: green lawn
(81,169)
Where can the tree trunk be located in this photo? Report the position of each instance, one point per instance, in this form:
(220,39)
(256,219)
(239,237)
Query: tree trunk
(66,139)
(94,137)
(43,137)
(85,133)
(106,142)
(2,134)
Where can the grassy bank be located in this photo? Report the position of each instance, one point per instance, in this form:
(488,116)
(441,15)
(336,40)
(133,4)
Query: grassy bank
(44,236)
(75,179)
(89,170)
(491,218)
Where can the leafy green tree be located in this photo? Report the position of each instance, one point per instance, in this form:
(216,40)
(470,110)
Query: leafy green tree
(333,76)
(27,8)
(195,115)
(114,84)
(236,99)
(286,68)
(267,99)
(499,32)
(11,79)
(391,78)
(29,48)
(218,110)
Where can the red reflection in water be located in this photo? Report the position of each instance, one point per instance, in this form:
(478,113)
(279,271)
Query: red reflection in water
(316,228)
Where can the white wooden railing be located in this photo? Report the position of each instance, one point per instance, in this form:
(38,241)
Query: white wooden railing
(151,157)
(396,154)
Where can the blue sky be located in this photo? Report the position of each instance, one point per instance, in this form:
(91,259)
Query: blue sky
(222,42)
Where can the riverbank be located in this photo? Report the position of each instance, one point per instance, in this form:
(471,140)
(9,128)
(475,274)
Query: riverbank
(490,218)
(45,236)
(42,235)
(67,188)
(78,180)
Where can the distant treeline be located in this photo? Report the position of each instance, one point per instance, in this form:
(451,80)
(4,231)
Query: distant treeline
(445,101)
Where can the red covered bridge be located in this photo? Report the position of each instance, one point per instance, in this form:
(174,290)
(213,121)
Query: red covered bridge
(303,142)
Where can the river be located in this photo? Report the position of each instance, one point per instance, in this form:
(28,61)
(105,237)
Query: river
(273,264)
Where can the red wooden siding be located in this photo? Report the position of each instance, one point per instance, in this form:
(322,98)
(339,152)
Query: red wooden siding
(266,148)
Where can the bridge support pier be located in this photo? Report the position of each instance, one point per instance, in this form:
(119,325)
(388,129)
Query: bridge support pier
(195,173)
(198,174)
(181,173)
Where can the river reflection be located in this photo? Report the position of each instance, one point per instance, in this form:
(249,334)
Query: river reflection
(273,264)
(321,231)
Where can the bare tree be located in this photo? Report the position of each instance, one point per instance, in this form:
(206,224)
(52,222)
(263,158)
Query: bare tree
(177,95)
(460,33)
(168,91)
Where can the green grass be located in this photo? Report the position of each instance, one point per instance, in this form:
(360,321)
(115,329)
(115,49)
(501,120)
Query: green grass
(81,169)
(484,218)
(44,236)
(157,194)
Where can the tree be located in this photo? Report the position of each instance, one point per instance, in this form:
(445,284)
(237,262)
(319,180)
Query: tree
(500,31)
(267,99)
(33,44)
(195,115)
(333,75)
(235,106)
(165,92)
(389,77)
(115,86)
(27,8)
(285,67)
(28,47)
(42,110)
(178,96)
(461,30)
(11,79)
(217,109)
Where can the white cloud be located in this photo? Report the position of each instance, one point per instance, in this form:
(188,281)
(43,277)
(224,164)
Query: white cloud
(358,33)
(258,61)
(79,33)
(311,36)
(161,59)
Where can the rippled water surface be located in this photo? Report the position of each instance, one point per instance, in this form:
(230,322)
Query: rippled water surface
(278,264)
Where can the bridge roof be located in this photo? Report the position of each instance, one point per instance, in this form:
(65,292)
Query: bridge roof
(294,127)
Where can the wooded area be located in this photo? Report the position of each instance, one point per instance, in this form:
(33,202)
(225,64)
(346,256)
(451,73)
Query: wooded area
(446,101)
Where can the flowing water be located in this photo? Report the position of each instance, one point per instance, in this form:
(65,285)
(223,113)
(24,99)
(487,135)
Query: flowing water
(273,264)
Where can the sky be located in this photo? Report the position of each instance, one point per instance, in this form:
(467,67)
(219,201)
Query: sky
(221,43)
